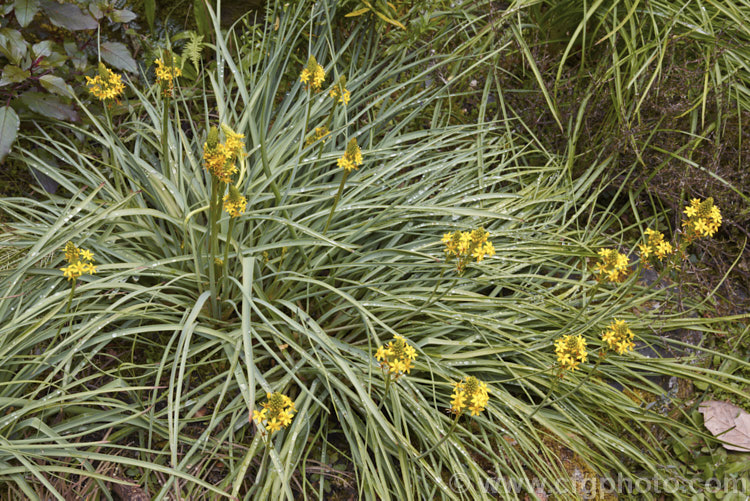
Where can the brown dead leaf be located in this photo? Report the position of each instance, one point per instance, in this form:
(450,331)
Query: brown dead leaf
(728,423)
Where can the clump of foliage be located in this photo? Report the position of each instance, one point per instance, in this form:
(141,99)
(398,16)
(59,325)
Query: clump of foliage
(271,290)
(46,48)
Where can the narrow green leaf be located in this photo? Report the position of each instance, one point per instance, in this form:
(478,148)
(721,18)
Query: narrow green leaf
(150,7)
(358,12)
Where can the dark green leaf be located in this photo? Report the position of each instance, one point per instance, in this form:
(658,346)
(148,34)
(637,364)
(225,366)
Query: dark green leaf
(122,16)
(96,11)
(56,85)
(25,11)
(13,74)
(117,55)
(8,130)
(68,16)
(49,106)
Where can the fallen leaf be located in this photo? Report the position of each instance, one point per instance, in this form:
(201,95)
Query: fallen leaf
(728,423)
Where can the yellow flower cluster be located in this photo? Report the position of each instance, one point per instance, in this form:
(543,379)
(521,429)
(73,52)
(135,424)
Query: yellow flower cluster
(570,351)
(614,265)
(165,75)
(339,92)
(320,133)
(352,157)
(619,337)
(312,75)
(80,261)
(465,245)
(106,85)
(234,202)
(469,393)
(703,218)
(219,158)
(397,356)
(277,412)
(655,245)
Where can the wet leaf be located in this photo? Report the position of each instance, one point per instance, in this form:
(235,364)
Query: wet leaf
(122,16)
(728,423)
(56,85)
(68,16)
(42,49)
(8,130)
(12,44)
(117,55)
(13,74)
(49,106)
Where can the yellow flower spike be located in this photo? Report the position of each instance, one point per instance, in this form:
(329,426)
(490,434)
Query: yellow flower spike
(703,219)
(469,393)
(72,253)
(468,245)
(613,265)
(571,351)
(234,202)
(397,357)
(80,261)
(352,156)
(107,85)
(165,75)
(312,75)
(619,337)
(655,245)
(320,133)
(277,412)
(218,158)
(234,143)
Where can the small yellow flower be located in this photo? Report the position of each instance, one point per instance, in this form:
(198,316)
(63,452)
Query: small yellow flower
(234,143)
(619,337)
(469,391)
(320,133)
(80,261)
(655,245)
(218,157)
(703,219)
(107,85)
(613,265)
(165,75)
(570,351)
(465,245)
(397,357)
(312,75)
(70,271)
(234,202)
(277,412)
(339,92)
(352,156)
